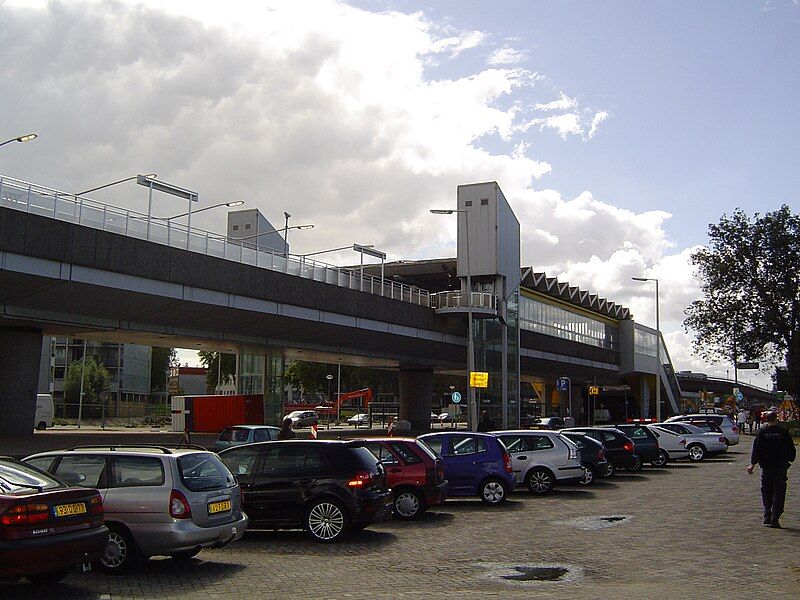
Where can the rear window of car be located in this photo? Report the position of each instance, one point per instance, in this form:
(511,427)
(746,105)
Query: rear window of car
(636,433)
(18,478)
(406,453)
(204,472)
(233,434)
(132,471)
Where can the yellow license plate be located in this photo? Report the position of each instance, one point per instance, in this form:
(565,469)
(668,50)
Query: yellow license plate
(218,507)
(67,510)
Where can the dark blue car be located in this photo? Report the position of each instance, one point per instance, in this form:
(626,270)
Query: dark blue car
(474,464)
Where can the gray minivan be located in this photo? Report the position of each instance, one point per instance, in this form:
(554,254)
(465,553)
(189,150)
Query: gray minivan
(158,501)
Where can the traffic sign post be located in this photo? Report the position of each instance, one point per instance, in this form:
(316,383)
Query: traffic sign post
(564,384)
(478,379)
(455,397)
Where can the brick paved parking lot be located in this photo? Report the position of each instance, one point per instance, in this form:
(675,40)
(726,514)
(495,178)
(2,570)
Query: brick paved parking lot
(690,531)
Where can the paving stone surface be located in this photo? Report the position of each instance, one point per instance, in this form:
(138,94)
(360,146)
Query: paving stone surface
(691,531)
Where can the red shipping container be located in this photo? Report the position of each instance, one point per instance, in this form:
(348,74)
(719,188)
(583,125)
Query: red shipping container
(212,414)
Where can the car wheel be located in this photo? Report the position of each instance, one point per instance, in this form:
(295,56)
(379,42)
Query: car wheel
(589,476)
(540,481)
(493,492)
(47,578)
(41,426)
(186,554)
(610,471)
(697,452)
(121,554)
(637,464)
(327,521)
(663,459)
(407,504)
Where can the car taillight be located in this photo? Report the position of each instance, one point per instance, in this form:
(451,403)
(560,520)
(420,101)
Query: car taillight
(601,454)
(179,506)
(735,429)
(507,462)
(362,480)
(26,514)
(628,446)
(96,505)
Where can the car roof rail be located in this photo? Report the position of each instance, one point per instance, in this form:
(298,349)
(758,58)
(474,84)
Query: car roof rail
(115,447)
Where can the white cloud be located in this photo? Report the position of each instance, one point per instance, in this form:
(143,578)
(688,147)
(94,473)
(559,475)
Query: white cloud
(506,56)
(317,108)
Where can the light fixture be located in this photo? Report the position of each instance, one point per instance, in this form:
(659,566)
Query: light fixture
(23,138)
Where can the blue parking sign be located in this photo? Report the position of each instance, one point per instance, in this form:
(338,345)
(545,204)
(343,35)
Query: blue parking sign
(456,397)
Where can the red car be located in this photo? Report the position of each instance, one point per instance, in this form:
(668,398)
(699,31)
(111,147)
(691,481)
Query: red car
(46,526)
(415,474)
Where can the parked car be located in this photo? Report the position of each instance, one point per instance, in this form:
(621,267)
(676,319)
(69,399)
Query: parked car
(413,472)
(619,448)
(542,459)
(158,501)
(303,418)
(672,445)
(46,526)
(474,464)
(729,429)
(245,434)
(359,419)
(553,423)
(645,443)
(328,488)
(445,417)
(700,443)
(592,455)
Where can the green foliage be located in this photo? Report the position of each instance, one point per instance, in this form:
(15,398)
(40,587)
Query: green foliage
(750,309)
(211,362)
(161,360)
(96,380)
(312,377)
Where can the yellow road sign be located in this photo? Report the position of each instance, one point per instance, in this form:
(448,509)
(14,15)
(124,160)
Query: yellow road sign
(478,379)
(594,390)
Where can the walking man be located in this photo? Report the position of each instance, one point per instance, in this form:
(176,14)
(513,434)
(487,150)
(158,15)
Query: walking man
(773,451)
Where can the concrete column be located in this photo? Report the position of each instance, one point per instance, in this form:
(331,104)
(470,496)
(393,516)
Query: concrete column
(20,357)
(416,391)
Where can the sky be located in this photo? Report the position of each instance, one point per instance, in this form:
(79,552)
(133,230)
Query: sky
(617,130)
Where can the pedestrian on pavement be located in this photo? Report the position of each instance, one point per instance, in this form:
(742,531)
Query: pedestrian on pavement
(757,418)
(741,419)
(773,451)
(750,417)
(390,427)
(286,432)
(486,424)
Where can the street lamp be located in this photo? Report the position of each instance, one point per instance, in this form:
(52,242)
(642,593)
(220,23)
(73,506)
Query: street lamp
(329,377)
(473,407)
(100,187)
(234,203)
(23,138)
(658,349)
(250,237)
(286,234)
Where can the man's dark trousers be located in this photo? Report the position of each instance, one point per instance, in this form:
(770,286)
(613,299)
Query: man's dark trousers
(773,492)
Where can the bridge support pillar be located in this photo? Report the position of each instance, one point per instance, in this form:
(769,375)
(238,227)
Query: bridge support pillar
(416,391)
(20,357)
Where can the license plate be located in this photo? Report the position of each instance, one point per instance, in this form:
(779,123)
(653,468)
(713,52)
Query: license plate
(67,510)
(218,507)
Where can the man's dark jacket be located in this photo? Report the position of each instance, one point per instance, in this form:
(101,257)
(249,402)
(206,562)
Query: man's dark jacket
(773,448)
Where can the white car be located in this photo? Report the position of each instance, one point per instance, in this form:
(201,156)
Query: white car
(359,419)
(671,445)
(699,443)
(729,429)
(541,459)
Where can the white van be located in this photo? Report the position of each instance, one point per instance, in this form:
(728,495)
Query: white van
(44,411)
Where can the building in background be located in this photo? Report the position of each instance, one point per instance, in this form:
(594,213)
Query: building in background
(128,366)
(187,381)
(251,225)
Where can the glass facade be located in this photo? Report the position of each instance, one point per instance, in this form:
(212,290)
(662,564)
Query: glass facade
(645,342)
(549,319)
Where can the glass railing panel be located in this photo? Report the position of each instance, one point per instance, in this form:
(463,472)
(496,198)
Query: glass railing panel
(67,210)
(137,227)
(91,217)
(249,256)
(216,247)
(42,205)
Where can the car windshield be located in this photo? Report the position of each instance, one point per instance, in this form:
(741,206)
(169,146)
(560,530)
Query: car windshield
(233,434)
(295,413)
(19,478)
(203,471)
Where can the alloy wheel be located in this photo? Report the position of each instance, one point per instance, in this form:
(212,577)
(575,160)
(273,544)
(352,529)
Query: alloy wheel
(540,482)
(326,521)
(494,492)
(588,476)
(116,551)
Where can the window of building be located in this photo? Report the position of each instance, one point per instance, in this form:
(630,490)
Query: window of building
(548,319)
(247,225)
(236,228)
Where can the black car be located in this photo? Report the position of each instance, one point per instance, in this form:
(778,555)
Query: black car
(619,448)
(592,455)
(328,488)
(645,443)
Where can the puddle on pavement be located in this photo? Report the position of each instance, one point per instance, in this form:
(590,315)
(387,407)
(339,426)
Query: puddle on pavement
(594,523)
(538,574)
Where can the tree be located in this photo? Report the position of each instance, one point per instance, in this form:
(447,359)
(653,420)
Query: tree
(96,379)
(211,362)
(161,360)
(312,377)
(750,309)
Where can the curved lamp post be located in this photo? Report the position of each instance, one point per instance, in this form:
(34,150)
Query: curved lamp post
(100,187)
(194,212)
(658,349)
(23,138)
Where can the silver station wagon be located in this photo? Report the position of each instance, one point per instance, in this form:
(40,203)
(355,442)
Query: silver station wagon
(158,501)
